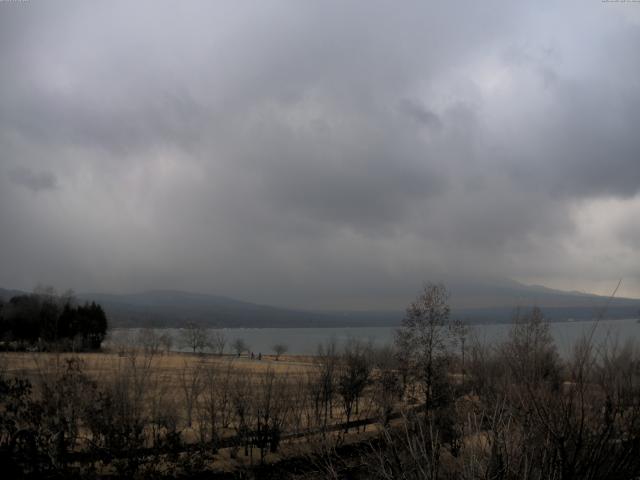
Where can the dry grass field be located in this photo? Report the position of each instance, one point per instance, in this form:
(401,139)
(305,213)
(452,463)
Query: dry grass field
(102,365)
(201,393)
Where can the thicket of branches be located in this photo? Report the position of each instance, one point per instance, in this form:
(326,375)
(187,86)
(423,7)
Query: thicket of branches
(437,405)
(515,410)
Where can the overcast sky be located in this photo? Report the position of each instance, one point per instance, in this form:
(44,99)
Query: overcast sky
(319,154)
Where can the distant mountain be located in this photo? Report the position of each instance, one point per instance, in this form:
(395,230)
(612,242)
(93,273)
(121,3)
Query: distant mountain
(473,301)
(496,301)
(169,308)
(165,308)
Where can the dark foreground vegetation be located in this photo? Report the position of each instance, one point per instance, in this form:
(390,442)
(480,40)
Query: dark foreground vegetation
(438,405)
(44,320)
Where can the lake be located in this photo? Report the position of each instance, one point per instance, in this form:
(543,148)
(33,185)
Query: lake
(305,341)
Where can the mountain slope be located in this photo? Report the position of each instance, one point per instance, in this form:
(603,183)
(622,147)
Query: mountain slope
(162,308)
(476,302)
(472,301)
(496,301)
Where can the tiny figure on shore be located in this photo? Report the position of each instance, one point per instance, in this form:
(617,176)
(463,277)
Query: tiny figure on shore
(259,355)
(252,356)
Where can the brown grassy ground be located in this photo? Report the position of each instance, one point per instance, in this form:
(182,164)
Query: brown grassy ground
(99,365)
(166,373)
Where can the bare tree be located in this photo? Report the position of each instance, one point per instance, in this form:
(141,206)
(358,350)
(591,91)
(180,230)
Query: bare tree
(327,360)
(191,384)
(301,396)
(149,340)
(241,403)
(279,349)
(530,351)
(117,416)
(460,333)
(215,406)
(354,375)
(63,386)
(270,407)
(423,341)
(195,337)
(218,341)
(121,341)
(387,387)
(166,341)
(240,346)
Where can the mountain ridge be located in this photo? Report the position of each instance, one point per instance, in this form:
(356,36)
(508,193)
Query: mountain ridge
(471,301)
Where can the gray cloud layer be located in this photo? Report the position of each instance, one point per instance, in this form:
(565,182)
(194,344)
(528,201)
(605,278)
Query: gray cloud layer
(328,155)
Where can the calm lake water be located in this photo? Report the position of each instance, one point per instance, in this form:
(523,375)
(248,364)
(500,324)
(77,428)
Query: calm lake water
(305,341)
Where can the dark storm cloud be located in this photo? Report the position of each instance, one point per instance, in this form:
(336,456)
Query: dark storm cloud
(34,181)
(64,120)
(330,154)
(420,114)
